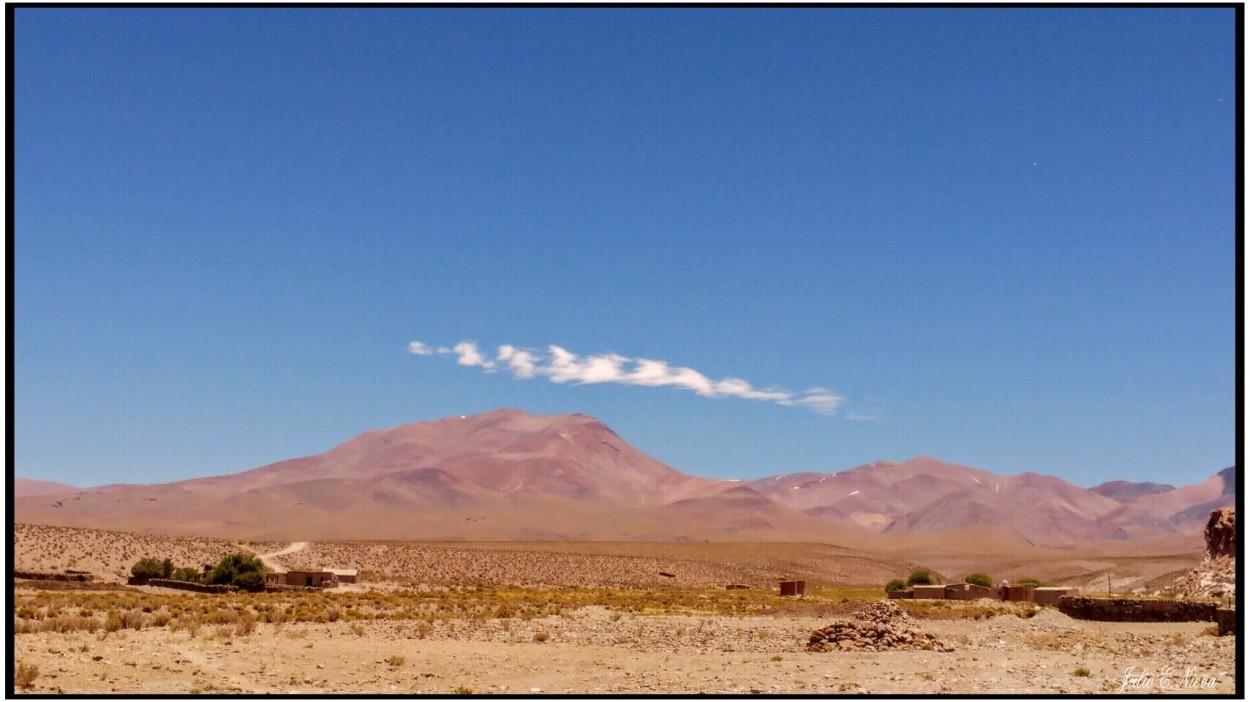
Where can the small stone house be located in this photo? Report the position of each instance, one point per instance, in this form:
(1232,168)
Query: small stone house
(1049,596)
(344,575)
(969,591)
(1020,592)
(929,592)
(303,578)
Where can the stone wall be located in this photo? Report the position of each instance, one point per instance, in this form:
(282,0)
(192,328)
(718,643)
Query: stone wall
(72,577)
(1130,610)
(1226,620)
(293,588)
(182,585)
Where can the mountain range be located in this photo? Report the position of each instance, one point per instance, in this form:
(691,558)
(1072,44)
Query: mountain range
(510,475)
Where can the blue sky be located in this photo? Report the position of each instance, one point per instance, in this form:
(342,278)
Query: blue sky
(1001,237)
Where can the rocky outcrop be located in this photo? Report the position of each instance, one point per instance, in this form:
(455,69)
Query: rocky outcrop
(1221,533)
(880,626)
(1216,575)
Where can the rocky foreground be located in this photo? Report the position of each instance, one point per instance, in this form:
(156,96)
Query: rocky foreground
(593,651)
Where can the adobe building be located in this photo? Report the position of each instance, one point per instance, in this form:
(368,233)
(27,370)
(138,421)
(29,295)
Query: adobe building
(968,591)
(302,578)
(928,592)
(344,575)
(1049,596)
(793,588)
(1020,592)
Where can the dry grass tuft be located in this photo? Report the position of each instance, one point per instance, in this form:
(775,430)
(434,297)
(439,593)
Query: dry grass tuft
(24,675)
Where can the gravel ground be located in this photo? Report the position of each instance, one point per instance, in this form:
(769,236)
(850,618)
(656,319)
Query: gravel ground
(592,650)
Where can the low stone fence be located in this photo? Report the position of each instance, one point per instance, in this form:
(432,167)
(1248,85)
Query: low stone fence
(70,577)
(293,588)
(1226,620)
(182,585)
(1129,610)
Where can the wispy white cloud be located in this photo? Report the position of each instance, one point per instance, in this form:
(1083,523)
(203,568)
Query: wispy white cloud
(521,363)
(562,366)
(469,355)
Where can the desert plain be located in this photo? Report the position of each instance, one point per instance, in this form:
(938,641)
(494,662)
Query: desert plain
(590,617)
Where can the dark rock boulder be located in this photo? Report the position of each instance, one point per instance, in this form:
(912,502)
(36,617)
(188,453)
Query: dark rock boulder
(1221,533)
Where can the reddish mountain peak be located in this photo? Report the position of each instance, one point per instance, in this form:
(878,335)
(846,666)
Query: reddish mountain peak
(503,452)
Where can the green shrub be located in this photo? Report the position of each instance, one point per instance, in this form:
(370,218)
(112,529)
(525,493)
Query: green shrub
(924,576)
(152,568)
(251,580)
(1030,581)
(895,585)
(979,579)
(240,570)
(190,575)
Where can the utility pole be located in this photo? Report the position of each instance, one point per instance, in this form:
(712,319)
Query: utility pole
(1108,583)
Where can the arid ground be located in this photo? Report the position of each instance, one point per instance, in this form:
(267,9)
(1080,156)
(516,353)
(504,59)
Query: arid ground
(566,618)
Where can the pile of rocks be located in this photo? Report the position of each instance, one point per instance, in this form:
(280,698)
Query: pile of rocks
(1214,577)
(880,626)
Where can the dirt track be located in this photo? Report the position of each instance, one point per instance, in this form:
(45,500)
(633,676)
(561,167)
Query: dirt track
(271,564)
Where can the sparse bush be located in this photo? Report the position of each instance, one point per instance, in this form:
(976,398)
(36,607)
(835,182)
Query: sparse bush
(541,636)
(24,675)
(134,619)
(464,690)
(1030,581)
(246,624)
(1082,672)
(113,622)
(979,579)
(924,576)
(395,661)
(895,585)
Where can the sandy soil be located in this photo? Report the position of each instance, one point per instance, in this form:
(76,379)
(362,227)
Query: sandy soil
(109,555)
(583,649)
(589,652)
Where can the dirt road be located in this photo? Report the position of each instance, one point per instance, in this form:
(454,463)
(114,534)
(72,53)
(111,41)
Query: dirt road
(276,566)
